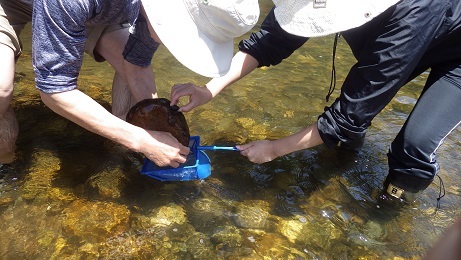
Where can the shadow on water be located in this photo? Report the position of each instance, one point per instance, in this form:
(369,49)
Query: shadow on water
(45,133)
(73,194)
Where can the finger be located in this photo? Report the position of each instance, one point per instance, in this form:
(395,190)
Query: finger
(242,147)
(161,164)
(176,94)
(174,164)
(181,94)
(182,159)
(174,97)
(177,87)
(184,150)
(187,107)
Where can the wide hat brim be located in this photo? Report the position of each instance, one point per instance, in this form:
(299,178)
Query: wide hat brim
(313,18)
(178,32)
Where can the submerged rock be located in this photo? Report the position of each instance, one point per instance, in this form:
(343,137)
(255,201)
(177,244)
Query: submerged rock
(38,182)
(252,214)
(168,215)
(94,221)
(109,183)
(227,237)
(274,246)
(157,115)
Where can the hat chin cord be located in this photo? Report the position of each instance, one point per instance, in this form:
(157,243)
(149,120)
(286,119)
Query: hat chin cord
(333,69)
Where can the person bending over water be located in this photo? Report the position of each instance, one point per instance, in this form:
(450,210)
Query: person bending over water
(393,42)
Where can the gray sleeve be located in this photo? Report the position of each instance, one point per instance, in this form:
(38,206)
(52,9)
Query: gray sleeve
(58,39)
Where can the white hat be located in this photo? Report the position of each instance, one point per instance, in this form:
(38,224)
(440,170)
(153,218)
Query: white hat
(311,18)
(200,33)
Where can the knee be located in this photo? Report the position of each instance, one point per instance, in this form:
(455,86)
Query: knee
(6,96)
(6,89)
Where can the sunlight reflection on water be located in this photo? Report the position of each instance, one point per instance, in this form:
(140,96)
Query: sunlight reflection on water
(74,194)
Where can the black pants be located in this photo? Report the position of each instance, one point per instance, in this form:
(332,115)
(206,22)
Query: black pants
(412,155)
(437,39)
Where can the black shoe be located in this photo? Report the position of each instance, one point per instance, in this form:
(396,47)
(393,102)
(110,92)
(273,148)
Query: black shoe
(395,192)
(395,198)
(387,199)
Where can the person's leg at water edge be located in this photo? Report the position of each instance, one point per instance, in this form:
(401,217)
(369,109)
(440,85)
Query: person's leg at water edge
(115,44)
(412,155)
(105,43)
(8,123)
(10,49)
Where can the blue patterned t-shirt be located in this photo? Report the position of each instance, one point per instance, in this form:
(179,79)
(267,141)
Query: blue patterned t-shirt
(58,36)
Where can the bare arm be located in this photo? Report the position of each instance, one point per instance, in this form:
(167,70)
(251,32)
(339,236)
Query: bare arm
(242,65)
(265,150)
(160,147)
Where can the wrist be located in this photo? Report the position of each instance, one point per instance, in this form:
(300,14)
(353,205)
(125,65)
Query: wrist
(211,89)
(216,85)
(278,148)
(136,138)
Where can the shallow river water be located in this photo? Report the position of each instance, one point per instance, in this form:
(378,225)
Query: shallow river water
(71,194)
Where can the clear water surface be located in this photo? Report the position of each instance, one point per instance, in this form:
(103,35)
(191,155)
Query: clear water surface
(74,195)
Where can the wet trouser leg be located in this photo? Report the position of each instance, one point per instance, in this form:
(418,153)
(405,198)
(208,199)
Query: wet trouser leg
(412,155)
